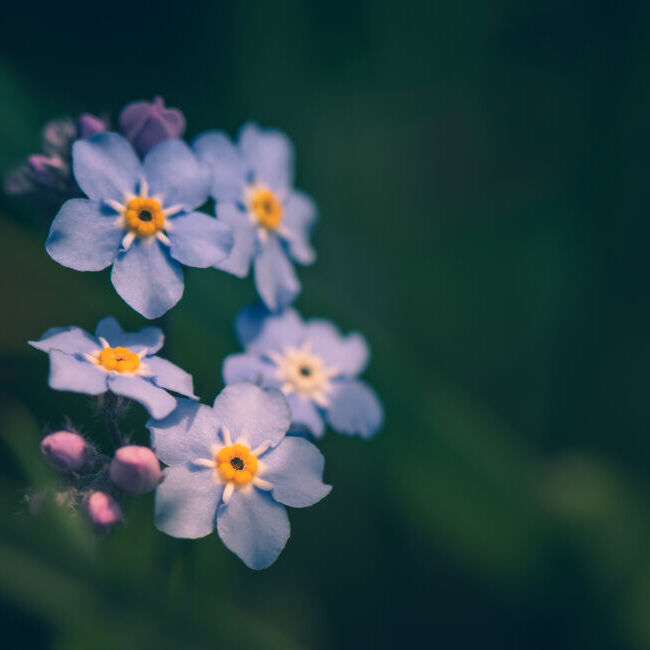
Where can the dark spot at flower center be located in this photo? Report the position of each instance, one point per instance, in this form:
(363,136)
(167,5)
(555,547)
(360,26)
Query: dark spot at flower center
(237,463)
(145,215)
(305,371)
(267,206)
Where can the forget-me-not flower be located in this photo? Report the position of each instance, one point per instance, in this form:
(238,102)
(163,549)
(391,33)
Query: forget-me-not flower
(252,183)
(139,217)
(315,366)
(231,467)
(113,360)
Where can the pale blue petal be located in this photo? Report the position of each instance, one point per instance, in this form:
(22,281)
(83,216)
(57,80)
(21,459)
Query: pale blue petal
(227,167)
(354,409)
(348,353)
(253,414)
(254,527)
(187,502)
(270,155)
(149,338)
(105,166)
(295,468)
(199,240)
(186,434)
(169,376)
(72,340)
(175,174)
(275,278)
(84,236)
(249,367)
(147,278)
(258,330)
(300,215)
(306,415)
(156,400)
(68,372)
(245,239)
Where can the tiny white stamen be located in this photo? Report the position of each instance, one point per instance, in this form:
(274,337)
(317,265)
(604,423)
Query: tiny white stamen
(128,196)
(173,209)
(260,449)
(91,358)
(128,239)
(288,388)
(162,237)
(116,205)
(143,353)
(104,342)
(321,400)
(262,484)
(263,234)
(144,188)
(227,492)
(204,462)
(226,436)
(276,357)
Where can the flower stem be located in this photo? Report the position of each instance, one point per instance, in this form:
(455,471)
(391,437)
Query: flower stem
(112,410)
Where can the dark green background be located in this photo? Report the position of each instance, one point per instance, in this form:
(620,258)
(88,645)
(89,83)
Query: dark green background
(481,170)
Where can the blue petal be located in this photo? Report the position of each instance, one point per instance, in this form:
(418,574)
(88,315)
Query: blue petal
(295,467)
(260,331)
(169,376)
(186,434)
(149,338)
(306,415)
(187,501)
(275,279)
(156,400)
(249,367)
(84,236)
(77,375)
(227,167)
(270,155)
(175,174)
(254,527)
(147,278)
(253,414)
(354,409)
(106,166)
(300,215)
(199,240)
(347,353)
(72,340)
(245,240)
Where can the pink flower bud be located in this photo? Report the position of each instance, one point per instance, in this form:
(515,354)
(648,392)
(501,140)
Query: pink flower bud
(135,469)
(88,125)
(102,510)
(66,451)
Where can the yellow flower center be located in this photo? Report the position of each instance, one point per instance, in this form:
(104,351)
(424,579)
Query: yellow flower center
(144,217)
(236,463)
(266,208)
(119,359)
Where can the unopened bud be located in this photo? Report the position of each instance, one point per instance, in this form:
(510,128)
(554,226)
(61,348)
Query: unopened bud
(145,124)
(135,469)
(66,451)
(88,125)
(102,510)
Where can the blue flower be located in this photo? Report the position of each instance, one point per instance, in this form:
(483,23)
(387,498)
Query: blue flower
(139,217)
(116,361)
(252,184)
(312,364)
(231,467)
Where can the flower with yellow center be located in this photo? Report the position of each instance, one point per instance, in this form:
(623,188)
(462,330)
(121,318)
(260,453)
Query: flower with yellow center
(265,208)
(236,465)
(118,359)
(144,216)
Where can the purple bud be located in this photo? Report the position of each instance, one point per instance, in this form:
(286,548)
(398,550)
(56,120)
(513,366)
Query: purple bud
(67,451)
(135,469)
(145,124)
(102,510)
(58,135)
(88,125)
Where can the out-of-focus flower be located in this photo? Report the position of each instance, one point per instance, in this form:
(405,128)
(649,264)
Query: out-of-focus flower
(146,124)
(102,510)
(135,469)
(117,361)
(51,170)
(313,364)
(140,219)
(234,461)
(67,451)
(252,184)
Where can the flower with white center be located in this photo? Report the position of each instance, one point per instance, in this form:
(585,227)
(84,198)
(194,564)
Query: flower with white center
(113,360)
(231,467)
(252,183)
(140,218)
(313,364)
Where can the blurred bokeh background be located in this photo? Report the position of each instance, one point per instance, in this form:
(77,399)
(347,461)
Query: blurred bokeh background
(481,170)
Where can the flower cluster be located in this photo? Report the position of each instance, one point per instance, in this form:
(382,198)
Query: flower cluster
(137,201)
